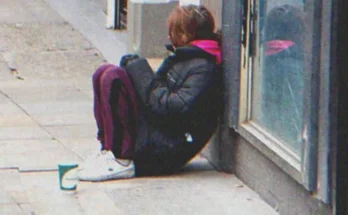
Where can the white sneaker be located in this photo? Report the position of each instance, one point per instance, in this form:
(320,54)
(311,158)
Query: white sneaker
(105,167)
(91,159)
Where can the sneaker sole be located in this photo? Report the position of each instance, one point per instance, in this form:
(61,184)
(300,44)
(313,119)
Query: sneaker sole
(125,174)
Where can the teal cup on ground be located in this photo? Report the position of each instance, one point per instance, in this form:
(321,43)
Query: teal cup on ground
(67,174)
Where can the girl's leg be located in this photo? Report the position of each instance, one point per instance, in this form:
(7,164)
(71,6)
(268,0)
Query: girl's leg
(113,107)
(97,100)
(118,112)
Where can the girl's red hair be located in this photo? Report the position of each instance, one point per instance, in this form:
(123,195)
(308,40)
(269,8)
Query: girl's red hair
(188,23)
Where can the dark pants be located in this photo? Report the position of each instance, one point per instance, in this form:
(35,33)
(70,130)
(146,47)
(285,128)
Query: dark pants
(115,110)
(125,129)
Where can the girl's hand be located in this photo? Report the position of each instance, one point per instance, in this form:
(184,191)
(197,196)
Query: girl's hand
(126,59)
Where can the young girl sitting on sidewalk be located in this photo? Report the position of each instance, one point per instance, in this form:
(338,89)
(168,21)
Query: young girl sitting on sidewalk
(154,123)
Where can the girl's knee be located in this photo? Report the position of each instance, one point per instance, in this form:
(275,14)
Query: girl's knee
(99,72)
(112,74)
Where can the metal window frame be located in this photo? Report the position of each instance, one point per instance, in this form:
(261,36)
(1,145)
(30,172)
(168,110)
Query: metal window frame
(338,107)
(118,14)
(327,111)
(314,172)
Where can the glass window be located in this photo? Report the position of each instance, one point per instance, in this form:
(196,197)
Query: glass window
(279,91)
(277,80)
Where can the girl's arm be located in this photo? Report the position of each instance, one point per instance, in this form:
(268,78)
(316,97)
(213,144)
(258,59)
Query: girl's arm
(159,98)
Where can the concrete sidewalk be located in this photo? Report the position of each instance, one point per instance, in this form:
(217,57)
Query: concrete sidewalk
(46,118)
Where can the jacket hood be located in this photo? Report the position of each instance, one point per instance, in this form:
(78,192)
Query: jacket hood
(198,48)
(210,46)
(276,46)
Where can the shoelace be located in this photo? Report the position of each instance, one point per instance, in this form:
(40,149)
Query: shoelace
(122,164)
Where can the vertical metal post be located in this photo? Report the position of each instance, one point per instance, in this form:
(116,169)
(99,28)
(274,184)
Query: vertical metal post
(114,14)
(339,67)
(231,49)
(117,18)
(311,96)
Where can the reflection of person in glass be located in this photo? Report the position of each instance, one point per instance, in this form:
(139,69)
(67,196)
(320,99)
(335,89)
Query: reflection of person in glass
(282,74)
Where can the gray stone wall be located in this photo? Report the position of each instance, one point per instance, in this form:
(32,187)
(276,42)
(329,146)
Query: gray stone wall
(147,31)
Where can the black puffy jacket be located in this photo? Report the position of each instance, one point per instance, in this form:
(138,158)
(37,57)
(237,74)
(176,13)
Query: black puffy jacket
(180,102)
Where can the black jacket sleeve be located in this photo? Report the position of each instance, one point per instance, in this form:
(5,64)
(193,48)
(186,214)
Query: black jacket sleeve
(163,101)
(142,77)
(161,73)
(159,97)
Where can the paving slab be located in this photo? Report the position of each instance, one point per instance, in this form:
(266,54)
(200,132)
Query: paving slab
(89,94)
(11,115)
(11,209)
(43,65)
(19,11)
(202,192)
(56,107)
(5,74)
(45,196)
(49,97)
(56,209)
(79,83)
(85,83)
(198,164)
(18,196)
(27,208)
(205,192)
(5,198)
(16,120)
(12,186)
(155,62)
(189,192)
(56,202)
(37,37)
(83,147)
(48,108)
(34,155)
(10,180)
(2,59)
(60,119)
(23,95)
(4,99)
(9,108)
(47,181)
(76,83)
(22,132)
(98,202)
(72,131)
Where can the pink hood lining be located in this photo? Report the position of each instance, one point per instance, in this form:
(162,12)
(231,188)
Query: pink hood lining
(276,46)
(210,46)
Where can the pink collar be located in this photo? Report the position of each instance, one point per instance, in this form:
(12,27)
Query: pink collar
(210,46)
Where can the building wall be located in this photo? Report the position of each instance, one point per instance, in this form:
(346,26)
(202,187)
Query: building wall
(232,153)
(102,4)
(147,31)
(216,8)
(277,188)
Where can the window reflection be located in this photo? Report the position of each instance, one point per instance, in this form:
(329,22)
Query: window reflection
(278,76)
